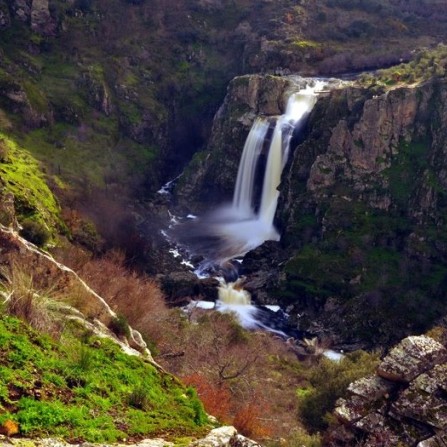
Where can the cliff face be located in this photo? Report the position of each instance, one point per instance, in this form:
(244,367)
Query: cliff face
(364,203)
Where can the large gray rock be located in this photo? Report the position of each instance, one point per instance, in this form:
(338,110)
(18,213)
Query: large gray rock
(410,358)
(408,407)
(224,437)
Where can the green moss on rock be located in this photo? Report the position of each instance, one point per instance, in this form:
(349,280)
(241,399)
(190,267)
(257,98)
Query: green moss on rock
(21,175)
(81,389)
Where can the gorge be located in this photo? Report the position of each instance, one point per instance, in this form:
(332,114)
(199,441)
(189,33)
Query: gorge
(332,207)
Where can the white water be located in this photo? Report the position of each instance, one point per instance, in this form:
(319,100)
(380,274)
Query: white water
(243,229)
(243,191)
(233,293)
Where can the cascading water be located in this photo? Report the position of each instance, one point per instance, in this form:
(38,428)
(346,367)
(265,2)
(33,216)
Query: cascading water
(242,229)
(245,182)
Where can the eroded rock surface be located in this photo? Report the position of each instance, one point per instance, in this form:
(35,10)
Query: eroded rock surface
(404,404)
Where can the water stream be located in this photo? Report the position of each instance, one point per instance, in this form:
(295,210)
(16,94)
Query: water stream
(233,230)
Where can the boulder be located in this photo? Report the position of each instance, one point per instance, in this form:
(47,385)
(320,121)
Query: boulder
(181,286)
(41,20)
(413,356)
(224,437)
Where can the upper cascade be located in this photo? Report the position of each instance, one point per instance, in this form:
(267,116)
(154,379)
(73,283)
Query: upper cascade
(242,227)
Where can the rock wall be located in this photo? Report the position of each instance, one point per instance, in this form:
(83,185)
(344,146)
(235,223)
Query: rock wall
(403,404)
(364,203)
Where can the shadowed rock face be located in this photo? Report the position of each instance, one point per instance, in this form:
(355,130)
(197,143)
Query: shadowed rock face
(405,403)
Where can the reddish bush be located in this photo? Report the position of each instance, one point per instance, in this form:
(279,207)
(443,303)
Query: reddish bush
(248,421)
(216,398)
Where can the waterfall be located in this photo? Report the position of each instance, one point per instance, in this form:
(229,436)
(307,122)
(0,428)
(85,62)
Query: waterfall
(244,230)
(243,191)
(231,231)
(298,107)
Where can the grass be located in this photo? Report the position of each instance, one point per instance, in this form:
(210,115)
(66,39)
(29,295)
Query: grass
(88,389)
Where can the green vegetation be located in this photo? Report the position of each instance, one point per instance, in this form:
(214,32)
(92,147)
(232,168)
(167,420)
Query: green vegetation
(327,382)
(81,389)
(425,64)
(409,163)
(21,174)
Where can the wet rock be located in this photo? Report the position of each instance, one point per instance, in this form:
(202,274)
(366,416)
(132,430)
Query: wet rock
(180,287)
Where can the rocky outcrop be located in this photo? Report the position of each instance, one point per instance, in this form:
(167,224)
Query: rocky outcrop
(224,437)
(403,404)
(41,20)
(86,307)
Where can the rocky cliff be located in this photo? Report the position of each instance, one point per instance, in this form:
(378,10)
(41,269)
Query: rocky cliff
(364,202)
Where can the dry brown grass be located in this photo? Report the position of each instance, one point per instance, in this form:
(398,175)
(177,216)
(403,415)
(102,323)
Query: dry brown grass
(135,296)
(26,301)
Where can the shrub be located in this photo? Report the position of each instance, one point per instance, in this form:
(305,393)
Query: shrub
(248,421)
(215,398)
(25,302)
(328,381)
(35,232)
(119,326)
